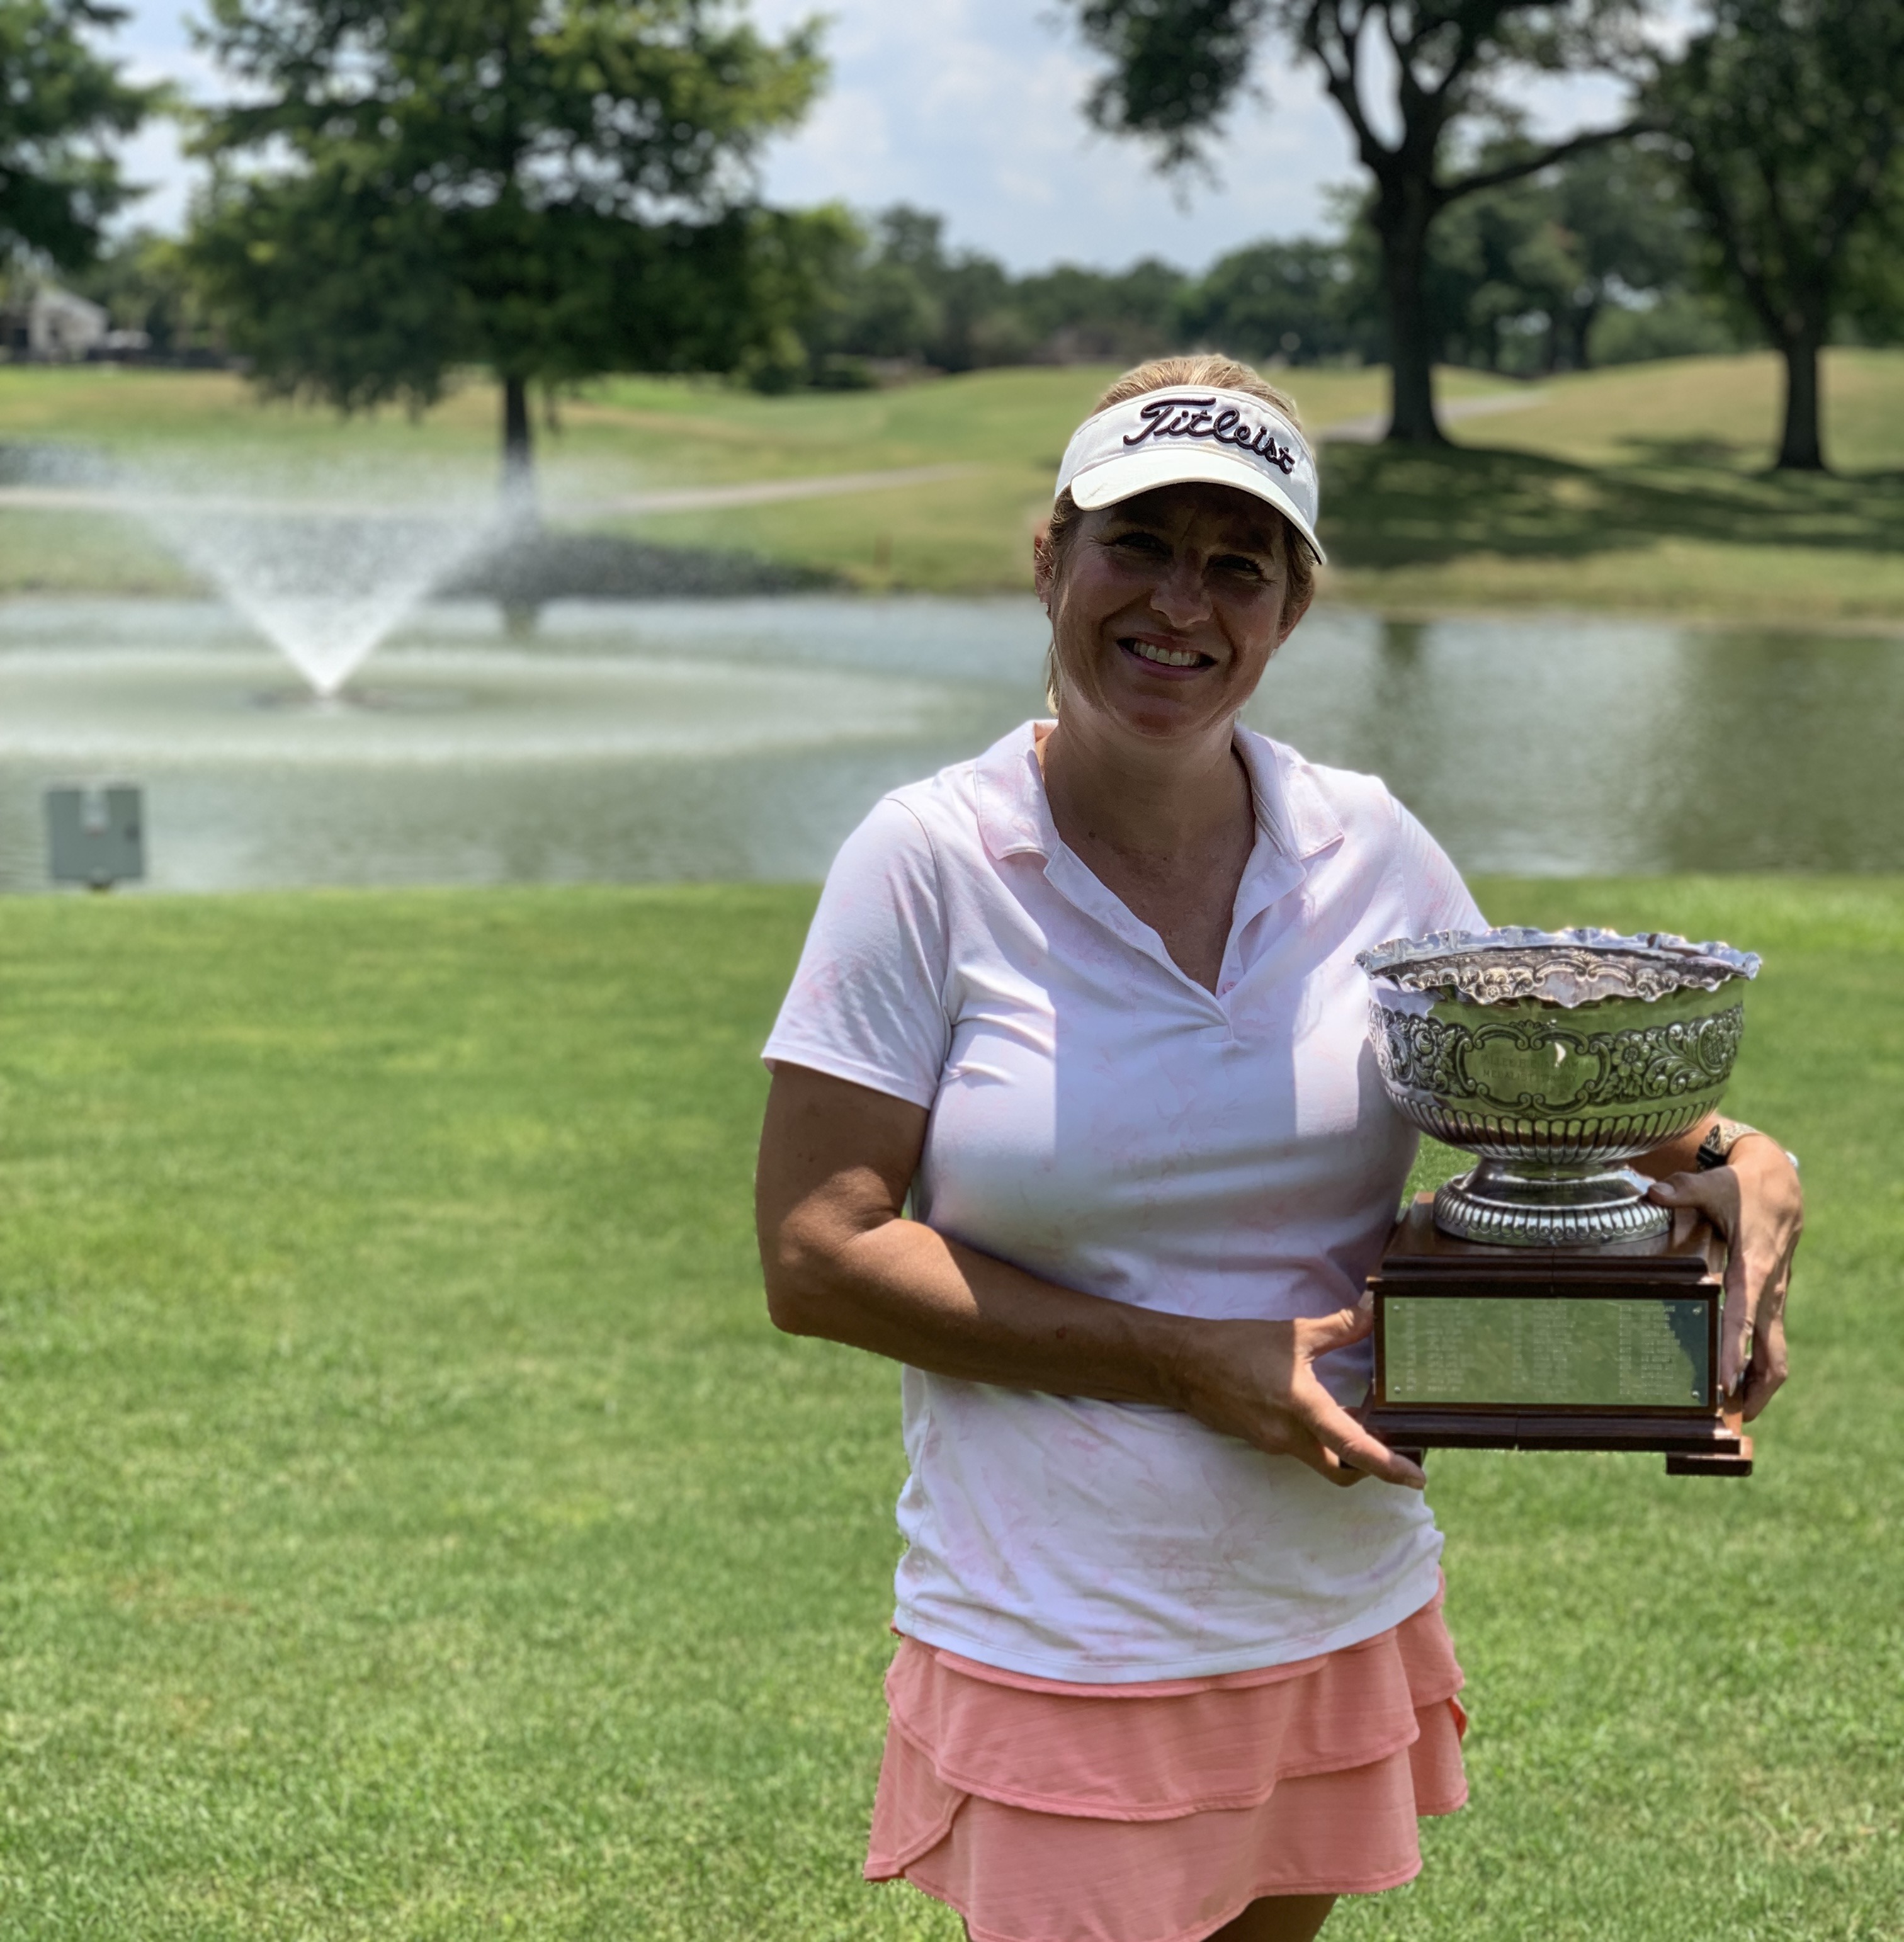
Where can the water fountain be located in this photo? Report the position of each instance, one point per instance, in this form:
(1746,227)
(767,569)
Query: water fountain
(602,747)
(325,578)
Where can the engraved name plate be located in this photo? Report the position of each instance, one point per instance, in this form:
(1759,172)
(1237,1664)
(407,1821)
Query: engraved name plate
(1559,1352)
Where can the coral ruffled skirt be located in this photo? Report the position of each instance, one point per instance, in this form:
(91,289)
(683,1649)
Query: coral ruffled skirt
(1045,1812)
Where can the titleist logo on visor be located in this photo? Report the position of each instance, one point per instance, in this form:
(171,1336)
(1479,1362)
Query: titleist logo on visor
(1200,417)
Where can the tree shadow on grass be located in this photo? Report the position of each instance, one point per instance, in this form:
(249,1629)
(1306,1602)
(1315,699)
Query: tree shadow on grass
(1728,454)
(1389,506)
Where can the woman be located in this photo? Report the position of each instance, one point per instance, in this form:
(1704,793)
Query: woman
(1090,1002)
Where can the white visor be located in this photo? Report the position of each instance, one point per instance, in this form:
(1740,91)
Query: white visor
(1191,435)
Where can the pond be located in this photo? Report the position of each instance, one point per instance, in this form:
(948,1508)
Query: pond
(742,739)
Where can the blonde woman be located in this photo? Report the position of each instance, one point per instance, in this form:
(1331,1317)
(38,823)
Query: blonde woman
(1072,1116)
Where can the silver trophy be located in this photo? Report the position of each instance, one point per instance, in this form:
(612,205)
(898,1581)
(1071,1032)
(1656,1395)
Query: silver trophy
(1556,1056)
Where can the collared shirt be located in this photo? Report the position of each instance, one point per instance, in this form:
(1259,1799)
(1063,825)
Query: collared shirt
(1102,1120)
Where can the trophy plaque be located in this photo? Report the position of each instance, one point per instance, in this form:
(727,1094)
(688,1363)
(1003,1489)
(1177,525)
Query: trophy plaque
(1540,1300)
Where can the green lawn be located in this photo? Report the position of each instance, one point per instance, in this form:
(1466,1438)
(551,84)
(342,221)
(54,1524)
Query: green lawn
(1641,488)
(411,1527)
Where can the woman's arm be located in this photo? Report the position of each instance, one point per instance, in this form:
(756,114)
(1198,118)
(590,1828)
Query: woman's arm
(1755,1201)
(842,1261)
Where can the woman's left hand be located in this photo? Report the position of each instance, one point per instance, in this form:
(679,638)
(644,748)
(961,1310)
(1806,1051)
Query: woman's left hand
(1754,1200)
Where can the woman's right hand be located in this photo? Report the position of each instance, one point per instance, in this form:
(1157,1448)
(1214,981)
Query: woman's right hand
(1257,1380)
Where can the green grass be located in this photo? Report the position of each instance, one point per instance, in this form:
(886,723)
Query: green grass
(411,1528)
(1642,488)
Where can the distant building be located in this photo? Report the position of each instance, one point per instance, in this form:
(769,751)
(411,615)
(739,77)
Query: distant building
(53,326)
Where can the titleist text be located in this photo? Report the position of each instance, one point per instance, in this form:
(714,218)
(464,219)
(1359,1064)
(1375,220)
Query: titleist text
(1198,418)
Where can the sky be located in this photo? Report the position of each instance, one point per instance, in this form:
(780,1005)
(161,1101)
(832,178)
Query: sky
(973,109)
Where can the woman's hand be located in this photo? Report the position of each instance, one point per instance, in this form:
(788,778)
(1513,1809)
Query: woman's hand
(1257,1380)
(1754,1200)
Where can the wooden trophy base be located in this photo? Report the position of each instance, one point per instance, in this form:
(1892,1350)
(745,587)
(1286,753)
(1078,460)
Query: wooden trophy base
(1615,1347)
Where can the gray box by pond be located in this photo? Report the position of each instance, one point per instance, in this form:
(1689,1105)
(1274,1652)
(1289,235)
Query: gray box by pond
(95,836)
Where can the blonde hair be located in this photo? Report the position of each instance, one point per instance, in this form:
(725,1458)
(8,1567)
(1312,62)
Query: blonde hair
(1204,369)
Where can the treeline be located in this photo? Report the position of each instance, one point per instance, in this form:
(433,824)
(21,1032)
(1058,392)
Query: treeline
(1600,260)
(1597,261)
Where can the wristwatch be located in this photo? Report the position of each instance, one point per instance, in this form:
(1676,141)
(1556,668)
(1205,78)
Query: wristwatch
(1716,1148)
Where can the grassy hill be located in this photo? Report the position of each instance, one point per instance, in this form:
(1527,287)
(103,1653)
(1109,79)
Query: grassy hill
(1643,487)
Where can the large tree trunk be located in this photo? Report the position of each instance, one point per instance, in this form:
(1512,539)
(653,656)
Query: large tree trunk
(1800,449)
(1402,222)
(1580,329)
(519,449)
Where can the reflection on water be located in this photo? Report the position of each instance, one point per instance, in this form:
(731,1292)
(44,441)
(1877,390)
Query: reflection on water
(742,739)
(1554,745)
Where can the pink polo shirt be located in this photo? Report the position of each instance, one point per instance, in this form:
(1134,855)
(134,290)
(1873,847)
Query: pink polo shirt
(1099,1119)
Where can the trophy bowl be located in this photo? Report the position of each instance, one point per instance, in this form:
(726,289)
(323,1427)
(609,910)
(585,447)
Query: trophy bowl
(1555,1056)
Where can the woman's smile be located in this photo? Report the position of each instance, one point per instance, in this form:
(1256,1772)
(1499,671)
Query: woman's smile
(1160,656)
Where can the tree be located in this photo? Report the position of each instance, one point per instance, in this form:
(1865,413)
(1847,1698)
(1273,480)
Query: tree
(1786,117)
(1177,66)
(1627,230)
(965,293)
(61,104)
(907,295)
(882,306)
(1519,276)
(1294,300)
(141,280)
(549,188)
(1874,293)
(1500,274)
(1079,315)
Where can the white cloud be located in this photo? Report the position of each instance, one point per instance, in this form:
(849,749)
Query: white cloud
(976,108)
